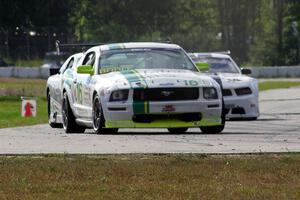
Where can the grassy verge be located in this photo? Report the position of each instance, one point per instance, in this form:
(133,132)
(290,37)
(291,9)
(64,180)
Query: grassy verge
(10,113)
(150,177)
(26,63)
(11,90)
(268,85)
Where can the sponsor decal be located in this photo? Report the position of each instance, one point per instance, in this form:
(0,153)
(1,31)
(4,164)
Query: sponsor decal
(233,80)
(105,70)
(166,84)
(168,108)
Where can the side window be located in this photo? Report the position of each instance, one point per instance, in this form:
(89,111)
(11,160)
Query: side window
(89,59)
(63,67)
(69,65)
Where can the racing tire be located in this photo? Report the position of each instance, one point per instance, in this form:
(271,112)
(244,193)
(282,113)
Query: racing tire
(51,124)
(177,130)
(98,118)
(69,123)
(212,129)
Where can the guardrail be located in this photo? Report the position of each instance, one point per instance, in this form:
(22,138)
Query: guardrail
(257,72)
(24,72)
(275,72)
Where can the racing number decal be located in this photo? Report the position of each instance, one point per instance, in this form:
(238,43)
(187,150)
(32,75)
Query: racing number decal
(79,93)
(191,83)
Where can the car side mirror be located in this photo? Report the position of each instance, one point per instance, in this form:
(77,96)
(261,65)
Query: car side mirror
(85,69)
(246,71)
(202,66)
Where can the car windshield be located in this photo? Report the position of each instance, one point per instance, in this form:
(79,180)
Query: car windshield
(219,65)
(117,60)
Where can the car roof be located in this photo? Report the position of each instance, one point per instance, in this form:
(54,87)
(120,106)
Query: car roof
(213,55)
(132,45)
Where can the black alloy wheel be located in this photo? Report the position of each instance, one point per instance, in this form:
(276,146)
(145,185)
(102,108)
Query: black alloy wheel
(69,121)
(98,119)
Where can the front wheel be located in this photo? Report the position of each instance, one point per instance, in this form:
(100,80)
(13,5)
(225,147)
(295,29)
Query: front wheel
(98,119)
(212,129)
(69,122)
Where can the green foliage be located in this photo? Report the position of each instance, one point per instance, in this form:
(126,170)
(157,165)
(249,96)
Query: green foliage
(256,32)
(119,21)
(263,49)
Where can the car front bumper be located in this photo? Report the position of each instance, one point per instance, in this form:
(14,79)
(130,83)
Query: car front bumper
(241,107)
(170,114)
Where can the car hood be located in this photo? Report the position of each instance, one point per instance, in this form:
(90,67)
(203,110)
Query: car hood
(230,80)
(156,78)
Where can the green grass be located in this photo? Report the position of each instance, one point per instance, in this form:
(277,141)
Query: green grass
(150,177)
(10,113)
(11,90)
(22,87)
(268,85)
(37,62)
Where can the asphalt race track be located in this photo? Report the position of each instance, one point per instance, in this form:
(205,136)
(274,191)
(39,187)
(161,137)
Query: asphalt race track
(277,130)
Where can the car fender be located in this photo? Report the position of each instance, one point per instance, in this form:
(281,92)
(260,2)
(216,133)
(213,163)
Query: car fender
(67,88)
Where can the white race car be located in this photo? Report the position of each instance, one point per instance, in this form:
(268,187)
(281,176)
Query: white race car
(134,85)
(240,92)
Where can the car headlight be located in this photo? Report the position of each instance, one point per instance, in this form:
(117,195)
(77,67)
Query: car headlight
(210,93)
(119,95)
(243,91)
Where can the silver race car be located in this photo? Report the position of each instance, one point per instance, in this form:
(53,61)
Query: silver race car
(134,85)
(240,92)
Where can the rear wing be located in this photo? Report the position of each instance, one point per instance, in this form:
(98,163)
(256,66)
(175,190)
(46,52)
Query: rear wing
(82,47)
(223,52)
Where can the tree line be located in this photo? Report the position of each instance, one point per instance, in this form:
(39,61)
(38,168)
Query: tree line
(257,32)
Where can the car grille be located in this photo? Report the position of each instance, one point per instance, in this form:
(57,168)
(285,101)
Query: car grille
(226,92)
(243,91)
(239,110)
(165,94)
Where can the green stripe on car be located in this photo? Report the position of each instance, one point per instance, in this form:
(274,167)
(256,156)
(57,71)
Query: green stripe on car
(136,81)
(134,78)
